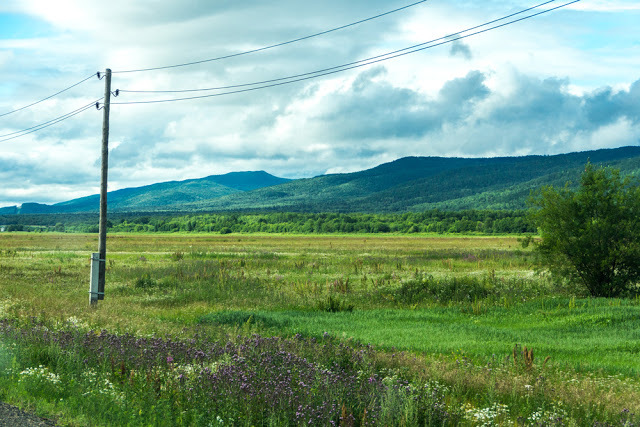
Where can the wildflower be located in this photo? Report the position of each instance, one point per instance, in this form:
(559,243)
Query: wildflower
(485,416)
(39,373)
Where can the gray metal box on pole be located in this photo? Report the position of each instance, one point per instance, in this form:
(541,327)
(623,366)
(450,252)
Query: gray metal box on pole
(95,272)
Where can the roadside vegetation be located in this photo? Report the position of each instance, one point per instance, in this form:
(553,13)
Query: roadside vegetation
(210,329)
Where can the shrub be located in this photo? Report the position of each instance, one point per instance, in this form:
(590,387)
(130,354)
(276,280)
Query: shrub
(444,290)
(145,282)
(334,305)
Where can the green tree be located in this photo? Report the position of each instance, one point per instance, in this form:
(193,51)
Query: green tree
(591,236)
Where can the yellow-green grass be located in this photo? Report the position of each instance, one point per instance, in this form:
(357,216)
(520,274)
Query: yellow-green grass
(49,273)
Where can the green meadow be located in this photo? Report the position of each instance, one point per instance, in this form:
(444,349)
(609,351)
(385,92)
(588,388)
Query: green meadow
(457,330)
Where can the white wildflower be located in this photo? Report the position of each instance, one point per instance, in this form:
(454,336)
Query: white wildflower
(556,415)
(485,416)
(41,373)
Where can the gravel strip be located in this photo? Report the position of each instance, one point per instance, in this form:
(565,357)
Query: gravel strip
(10,416)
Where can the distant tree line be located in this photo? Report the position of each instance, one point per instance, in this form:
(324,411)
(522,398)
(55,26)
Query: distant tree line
(432,221)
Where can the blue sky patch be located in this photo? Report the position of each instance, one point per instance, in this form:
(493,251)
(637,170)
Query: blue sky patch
(19,26)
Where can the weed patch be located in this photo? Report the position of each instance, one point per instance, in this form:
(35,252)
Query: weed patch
(333,304)
(240,318)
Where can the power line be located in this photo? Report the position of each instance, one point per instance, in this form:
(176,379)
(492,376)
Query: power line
(290,79)
(373,60)
(449,37)
(274,45)
(48,97)
(52,120)
(32,129)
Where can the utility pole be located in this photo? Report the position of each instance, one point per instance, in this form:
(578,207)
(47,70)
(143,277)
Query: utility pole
(97,293)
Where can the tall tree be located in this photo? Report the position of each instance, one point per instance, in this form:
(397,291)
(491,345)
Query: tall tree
(591,236)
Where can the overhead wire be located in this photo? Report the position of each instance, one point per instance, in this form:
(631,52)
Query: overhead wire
(32,129)
(35,128)
(40,126)
(273,45)
(48,97)
(362,63)
(283,80)
(449,37)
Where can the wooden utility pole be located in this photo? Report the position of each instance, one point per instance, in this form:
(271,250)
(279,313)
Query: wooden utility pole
(102,242)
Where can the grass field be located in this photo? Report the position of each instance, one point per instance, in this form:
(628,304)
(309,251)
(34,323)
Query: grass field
(361,329)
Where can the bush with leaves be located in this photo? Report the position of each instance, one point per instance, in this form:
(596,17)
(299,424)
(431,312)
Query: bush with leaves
(591,235)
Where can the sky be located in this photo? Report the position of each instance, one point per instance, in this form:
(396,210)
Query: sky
(564,81)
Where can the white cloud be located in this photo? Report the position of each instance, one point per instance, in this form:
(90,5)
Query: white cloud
(606,5)
(427,103)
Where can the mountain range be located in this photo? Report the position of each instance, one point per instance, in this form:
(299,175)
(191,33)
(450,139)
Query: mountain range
(406,184)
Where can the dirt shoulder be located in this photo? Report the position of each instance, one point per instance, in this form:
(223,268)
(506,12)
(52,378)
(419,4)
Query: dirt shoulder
(10,416)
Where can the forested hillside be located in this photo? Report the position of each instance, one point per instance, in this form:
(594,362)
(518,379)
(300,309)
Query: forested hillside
(410,184)
(149,197)
(420,183)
